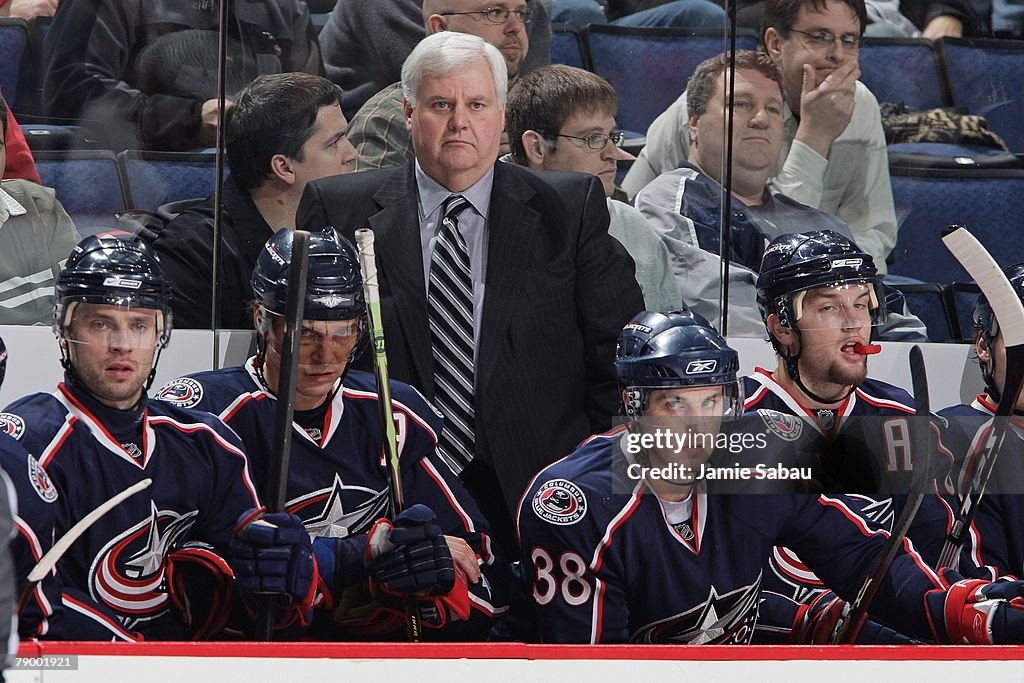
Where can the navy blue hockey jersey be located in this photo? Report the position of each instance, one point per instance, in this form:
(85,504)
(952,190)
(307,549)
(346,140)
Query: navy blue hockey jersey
(201,485)
(36,496)
(337,477)
(611,562)
(995,540)
(866,452)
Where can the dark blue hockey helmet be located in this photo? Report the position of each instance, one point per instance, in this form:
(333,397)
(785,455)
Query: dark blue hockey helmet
(677,349)
(114,271)
(334,286)
(3,361)
(984,318)
(798,262)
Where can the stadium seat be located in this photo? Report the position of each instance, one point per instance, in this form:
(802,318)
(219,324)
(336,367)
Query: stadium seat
(904,70)
(14,47)
(649,67)
(88,186)
(569,46)
(989,202)
(156,178)
(929,302)
(987,77)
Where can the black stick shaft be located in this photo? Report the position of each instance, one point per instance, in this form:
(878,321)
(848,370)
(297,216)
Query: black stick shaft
(281,448)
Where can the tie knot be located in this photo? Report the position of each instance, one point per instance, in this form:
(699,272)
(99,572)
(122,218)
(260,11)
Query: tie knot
(454,205)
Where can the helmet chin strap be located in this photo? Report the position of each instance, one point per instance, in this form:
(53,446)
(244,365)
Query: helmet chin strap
(792,369)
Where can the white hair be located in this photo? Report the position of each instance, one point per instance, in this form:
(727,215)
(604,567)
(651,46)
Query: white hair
(447,52)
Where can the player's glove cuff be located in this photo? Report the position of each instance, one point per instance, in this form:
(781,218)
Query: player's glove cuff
(435,611)
(200,586)
(975,611)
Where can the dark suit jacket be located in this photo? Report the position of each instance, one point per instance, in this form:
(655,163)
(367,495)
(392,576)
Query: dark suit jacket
(558,291)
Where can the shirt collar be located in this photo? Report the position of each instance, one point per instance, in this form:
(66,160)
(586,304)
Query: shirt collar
(9,206)
(432,194)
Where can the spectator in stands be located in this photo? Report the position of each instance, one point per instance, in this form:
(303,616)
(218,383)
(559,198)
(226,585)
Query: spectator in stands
(20,163)
(932,19)
(833,156)
(683,205)
(379,130)
(284,130)
(560,118)
(687,13)
(27,9)
(92,52)
(36,236)
(364,67)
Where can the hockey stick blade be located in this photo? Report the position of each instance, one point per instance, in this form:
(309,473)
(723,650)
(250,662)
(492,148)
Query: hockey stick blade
(922,450)
(1009,311)
(371,291)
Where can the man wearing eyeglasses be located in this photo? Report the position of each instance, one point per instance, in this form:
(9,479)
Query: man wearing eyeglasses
(502,292)
(378,129)
(833,154)
(560,118)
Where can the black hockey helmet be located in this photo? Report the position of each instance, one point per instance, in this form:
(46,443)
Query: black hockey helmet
(334,286)
(798,262)
(985,322)
(984,318)
(115,271)
(3,361)
(677,349)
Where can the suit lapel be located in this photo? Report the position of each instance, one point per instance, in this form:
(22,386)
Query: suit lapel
(399,256)
(512,226)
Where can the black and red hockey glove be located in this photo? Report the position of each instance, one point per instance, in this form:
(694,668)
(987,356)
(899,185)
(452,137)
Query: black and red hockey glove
(976,611)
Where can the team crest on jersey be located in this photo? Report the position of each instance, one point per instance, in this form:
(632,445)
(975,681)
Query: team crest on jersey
(339,511)
(560,502)
(128,573)
(184,391)
(786,427)
(727,619)
(41,481)
(12,425)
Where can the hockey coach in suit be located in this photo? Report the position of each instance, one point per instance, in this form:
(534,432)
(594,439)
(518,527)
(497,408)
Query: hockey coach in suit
(502,292)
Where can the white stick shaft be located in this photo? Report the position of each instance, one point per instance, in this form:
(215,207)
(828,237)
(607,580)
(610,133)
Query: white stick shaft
(49,560)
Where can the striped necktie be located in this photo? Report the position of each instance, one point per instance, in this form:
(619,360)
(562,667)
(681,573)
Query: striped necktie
(450,311)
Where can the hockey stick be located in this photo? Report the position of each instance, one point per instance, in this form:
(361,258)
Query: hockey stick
(1009,311)
(281,448)
(49,560)
(371,290)
(922,451)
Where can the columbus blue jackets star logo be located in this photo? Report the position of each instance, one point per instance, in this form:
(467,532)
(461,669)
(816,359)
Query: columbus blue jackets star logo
(339,511)
(128,573)
(726,619)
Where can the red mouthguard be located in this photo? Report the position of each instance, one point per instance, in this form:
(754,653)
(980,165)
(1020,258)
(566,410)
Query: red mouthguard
(867,349)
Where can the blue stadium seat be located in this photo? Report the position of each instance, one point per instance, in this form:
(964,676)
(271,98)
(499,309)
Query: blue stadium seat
(649,67)
(989,202)
(13,50)
(156,178)
(928,301)
(906,70)
(987,77)
(88,186)
(569,46)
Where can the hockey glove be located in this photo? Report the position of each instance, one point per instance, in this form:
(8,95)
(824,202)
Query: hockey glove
(199,585)
(272,554)
(975,611)
(409,555)
(819,621)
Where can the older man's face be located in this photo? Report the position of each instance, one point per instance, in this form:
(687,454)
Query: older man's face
(456,125)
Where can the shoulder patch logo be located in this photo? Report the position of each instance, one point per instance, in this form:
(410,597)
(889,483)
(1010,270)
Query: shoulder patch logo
(41,481)
(12,425)
(786,427)
(560,502)
(184,392)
